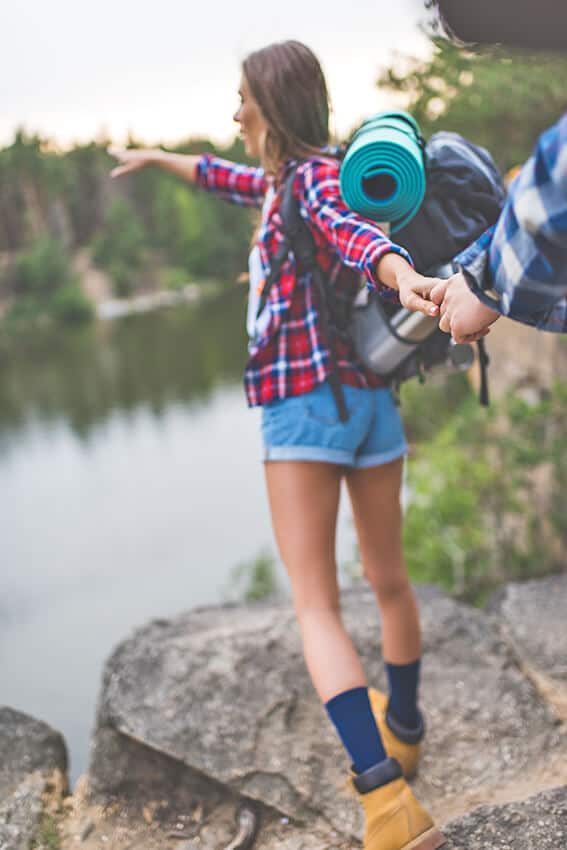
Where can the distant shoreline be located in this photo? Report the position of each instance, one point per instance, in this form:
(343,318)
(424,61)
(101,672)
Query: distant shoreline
(116,308)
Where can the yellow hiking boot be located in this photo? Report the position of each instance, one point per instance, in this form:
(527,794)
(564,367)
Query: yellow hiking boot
(400,743)
(394,820)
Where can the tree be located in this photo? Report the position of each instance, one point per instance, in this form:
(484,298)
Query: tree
(501,99)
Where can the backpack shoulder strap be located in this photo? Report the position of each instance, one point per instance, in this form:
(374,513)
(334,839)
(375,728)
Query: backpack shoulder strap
(484,362)
(290,225)
(294,226)
(299,239)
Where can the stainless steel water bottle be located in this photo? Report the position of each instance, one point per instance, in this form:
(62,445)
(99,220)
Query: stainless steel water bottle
(383,343)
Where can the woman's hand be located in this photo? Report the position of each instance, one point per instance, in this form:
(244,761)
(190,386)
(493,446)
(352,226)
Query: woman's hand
(413,289)
(131,159)
(462,315)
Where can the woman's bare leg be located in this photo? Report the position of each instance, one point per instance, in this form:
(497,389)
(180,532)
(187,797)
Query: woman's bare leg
(375,498)
(304,501)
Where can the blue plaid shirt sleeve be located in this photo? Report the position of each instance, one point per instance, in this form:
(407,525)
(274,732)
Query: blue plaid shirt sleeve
(519,266)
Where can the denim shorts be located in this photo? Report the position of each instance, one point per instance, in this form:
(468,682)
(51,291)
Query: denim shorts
(307,427)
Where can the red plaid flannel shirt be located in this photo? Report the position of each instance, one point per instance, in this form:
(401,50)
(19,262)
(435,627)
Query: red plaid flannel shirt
(291,356)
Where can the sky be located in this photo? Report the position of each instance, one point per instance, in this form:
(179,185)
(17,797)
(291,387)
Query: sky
(168,70)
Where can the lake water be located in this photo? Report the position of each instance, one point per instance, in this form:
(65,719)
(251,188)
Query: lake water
(130,487)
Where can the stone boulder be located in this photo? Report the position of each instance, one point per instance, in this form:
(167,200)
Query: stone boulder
(21,813)
(27,745)
(223,693)
(534,620)
(33,761)
(539,823)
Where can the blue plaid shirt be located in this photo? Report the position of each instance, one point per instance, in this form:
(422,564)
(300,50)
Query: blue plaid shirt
(519,266)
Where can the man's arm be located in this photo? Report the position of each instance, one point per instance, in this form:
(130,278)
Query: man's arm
(519,268)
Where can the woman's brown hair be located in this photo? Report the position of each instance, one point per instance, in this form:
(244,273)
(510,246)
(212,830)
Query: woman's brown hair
(287,82)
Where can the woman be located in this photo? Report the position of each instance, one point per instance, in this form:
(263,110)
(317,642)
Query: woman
(283,117)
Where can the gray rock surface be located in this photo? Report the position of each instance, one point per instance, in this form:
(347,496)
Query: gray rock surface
(20,813)
(534,615)
(27,745)
(33,757)
(225,693)
(539,823)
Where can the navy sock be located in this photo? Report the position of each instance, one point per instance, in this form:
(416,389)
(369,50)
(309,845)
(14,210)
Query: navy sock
(354,721)
(403,680)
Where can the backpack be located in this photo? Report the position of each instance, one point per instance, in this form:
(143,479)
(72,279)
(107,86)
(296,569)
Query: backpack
(463,198)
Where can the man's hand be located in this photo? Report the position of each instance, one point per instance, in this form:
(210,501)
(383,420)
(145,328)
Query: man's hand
(462,314)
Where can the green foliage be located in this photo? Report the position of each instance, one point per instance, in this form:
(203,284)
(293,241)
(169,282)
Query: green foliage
(42,269)
(47,837)
(427,407)
(71,305)
(86,172)
(32,177)
(25,310)
(152,220)
(540,429)
(501,99)
(121,239)
(475,518)
(197,232)
(256,579)
(150,361)
(124,278)
(452,482)
(47,287)
(174,277)
(120,247)
(185,222)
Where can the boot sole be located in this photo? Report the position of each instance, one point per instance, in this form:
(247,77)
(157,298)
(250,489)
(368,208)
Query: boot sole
(430,840)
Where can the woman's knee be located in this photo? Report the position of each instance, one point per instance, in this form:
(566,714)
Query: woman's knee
(388,580)
(311,599)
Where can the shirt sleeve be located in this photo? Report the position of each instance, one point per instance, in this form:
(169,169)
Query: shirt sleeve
(359,241)
(240,184)
(519,268)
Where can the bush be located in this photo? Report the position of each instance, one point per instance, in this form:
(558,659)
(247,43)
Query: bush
(426,408)
(476,515)
(124,278)
(70,304)
(121,240)
(26,309)
(42,269)
(256,579)
(47,286)
(175,278)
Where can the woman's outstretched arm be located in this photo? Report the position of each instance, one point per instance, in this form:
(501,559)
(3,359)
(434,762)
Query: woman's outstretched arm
(131,159)
(240,184)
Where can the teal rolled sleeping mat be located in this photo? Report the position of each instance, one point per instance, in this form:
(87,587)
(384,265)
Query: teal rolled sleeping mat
(382,176)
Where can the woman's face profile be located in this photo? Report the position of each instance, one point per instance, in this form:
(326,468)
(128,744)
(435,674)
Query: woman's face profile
(253,126)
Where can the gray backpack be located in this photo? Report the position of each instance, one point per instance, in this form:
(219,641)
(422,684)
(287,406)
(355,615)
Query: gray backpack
(464,196)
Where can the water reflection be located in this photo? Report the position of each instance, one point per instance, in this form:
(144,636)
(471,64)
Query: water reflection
(130,486)
(152,360)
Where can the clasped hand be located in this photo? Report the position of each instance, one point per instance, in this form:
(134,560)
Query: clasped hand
(461,313)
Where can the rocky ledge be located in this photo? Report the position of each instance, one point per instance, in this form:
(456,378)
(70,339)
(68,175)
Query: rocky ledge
(211,714)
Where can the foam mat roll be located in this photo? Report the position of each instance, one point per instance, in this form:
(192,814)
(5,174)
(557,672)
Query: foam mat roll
(383,174)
